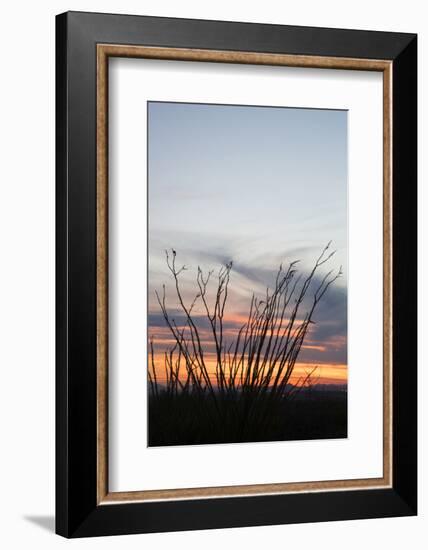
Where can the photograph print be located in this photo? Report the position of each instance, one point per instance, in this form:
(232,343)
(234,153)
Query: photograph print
(247,274)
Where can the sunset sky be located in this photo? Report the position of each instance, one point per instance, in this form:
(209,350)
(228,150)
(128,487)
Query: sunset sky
(259,186)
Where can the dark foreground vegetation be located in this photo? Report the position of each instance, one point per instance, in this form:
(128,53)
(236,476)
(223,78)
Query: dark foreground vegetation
(191,420)
(246,395)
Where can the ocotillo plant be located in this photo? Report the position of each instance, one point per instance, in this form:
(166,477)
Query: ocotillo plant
(253,371)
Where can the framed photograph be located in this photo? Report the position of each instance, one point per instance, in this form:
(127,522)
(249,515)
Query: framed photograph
(236,274)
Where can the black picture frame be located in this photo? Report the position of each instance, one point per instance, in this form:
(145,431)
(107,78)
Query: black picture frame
(77,511)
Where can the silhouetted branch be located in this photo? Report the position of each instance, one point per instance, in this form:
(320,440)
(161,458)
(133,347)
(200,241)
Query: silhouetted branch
(260,361)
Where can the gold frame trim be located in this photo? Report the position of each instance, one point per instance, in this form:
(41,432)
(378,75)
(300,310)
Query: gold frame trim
(104,51)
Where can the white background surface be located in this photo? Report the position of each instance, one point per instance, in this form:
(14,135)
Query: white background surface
(134,466)
(27,274)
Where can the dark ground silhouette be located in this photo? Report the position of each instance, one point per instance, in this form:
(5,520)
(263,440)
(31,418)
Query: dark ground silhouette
(188,420)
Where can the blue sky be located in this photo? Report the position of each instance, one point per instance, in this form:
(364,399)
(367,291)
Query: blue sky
(256,185)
